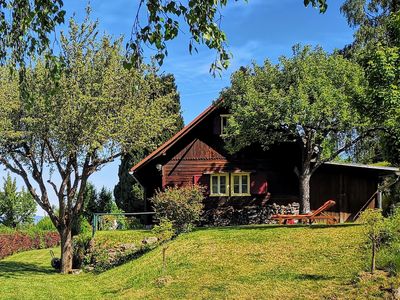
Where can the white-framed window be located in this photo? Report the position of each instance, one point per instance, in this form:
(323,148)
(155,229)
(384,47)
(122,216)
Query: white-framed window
(219,184)
(224,123)
(240,184)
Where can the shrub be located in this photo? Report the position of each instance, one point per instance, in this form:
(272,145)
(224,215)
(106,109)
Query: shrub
(375,228)
(181,205)
(45,224)
(5,229)
(81,242)
(389,257)
(81,225)
(17,241)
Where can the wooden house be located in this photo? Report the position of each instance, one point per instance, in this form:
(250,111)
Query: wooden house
(252,177)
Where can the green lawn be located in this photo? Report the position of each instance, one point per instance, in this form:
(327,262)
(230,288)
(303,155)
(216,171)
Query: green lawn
(260,262)
(117,237)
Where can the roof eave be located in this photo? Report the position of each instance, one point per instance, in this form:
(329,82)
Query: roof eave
(168,144)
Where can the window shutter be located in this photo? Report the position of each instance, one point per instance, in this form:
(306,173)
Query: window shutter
(204,181)
(258,183)
(196,179)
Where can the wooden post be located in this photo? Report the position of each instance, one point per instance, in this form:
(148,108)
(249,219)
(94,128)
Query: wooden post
(379,200)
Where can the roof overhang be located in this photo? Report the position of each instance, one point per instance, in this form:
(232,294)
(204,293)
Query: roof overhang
(383,171)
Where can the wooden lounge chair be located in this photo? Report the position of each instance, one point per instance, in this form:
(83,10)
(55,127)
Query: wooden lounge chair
(318,214)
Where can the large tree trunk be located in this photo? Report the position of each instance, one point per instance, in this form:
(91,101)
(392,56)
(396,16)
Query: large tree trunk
(304,188)
(66,249)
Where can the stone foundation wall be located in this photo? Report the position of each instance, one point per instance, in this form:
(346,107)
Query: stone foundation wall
(228,215)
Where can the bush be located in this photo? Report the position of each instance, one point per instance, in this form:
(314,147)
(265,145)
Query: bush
(18,241)
(181,205)
(81,245)
(45,224)
(81,242)
(5,229)
(390,253)
(375,229)
(389,258)
(81,225)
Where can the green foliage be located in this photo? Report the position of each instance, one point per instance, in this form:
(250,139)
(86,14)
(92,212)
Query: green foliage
(82,236)
(80,247)
(375,229)
(73,122)
(113,222)
(129,195)
(202,18)
(181,205)
(89,201)
(307,96)
(105,200)
(6,229)
(45,224)
(307,99)
(164,231)
(25,27)
(389,256)
(376,48)
(371,18)
(321,4)
(374,225)
(81,225)
(95,202)
(382,68)
(16,208)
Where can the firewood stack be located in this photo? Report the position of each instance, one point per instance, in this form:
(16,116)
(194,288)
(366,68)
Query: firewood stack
(228,215)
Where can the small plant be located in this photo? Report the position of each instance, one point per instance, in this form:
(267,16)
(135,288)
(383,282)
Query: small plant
(375,228)
(181,205)
(164,232)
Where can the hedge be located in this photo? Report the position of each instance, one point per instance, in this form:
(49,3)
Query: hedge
(17,241)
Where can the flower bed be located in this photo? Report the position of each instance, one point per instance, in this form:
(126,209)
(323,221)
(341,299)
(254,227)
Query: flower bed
(17,241)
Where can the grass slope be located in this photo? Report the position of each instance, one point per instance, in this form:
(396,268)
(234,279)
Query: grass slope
(261,262)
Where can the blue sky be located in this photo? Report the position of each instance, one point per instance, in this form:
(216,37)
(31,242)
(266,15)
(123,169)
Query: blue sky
(256,30)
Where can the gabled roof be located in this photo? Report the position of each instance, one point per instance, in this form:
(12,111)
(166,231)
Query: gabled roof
(383,170)
(168,144)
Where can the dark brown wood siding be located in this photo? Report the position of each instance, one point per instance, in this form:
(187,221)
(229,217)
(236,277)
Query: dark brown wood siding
(351,188)
(201,152)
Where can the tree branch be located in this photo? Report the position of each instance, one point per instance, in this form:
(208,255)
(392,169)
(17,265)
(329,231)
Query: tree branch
(345,147)
(55,158)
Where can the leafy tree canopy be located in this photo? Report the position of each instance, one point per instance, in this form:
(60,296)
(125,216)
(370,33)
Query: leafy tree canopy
(129,196)
(371,18)
(73,122)
(16,208)
(25,26)
(166,18)
(381,62)
(306,99)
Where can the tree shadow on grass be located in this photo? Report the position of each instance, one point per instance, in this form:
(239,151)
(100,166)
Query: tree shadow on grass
(313,277)
(296,276)
(12,269)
